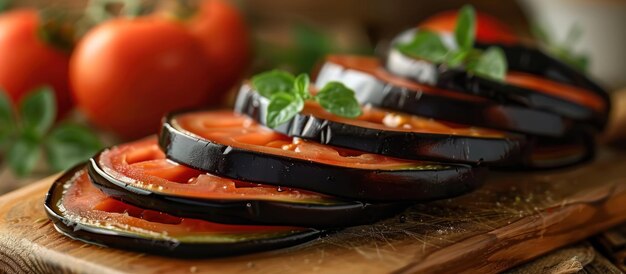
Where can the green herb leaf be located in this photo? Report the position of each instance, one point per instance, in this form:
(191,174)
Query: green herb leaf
(23,155)
(491,64)
(283,106)
(465,30)
(455,59)
(301,86)
(425,45)
(336,98)
(70,144)
(7,124)
(271,82)
(38,111)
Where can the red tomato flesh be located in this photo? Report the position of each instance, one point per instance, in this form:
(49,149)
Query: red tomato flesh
(84,203)
(488,28)
(28,63)
(394,121)
(243,132)
(567,92)
(142,164)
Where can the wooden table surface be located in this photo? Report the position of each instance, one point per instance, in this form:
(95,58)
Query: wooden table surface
(515,217)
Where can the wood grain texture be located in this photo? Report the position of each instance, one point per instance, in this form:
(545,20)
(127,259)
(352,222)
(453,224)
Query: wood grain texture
(514,218)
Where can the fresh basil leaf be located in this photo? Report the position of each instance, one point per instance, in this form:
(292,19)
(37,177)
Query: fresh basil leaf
(7,124)
(465,30)
(301,86)
(283,106)
(425,45)
(271,82)
(70,144)
(338,99)
(23,155)
(38,111)
(491,64)
(455,59)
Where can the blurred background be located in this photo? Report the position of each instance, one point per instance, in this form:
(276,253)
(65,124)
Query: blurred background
(294,35)
(300,31)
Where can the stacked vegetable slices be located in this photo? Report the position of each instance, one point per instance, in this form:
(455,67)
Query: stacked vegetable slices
(558,121)
(217,183)
(291,163)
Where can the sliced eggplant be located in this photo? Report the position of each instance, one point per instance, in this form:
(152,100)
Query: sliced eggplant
(393,134)
(373,85)
(139,174)
(234,146)
(522,89)
(576,147)
(535,61)
(82,212)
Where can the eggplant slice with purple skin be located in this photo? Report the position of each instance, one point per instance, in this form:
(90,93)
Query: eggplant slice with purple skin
(297,209)
(253,153)
(373,85)
(507,93)
(534,61)
(576,147)
(87,221)
(370,134)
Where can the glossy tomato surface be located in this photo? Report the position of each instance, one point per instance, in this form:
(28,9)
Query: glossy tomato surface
(235,146)
(139,174)
(81,211)
(27,62)
(488,28)
(225,39)
(127,73)
(143,165)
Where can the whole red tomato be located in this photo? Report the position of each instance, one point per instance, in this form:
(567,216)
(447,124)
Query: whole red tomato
(226,42)
(27,62)
(127,73)
(488,28)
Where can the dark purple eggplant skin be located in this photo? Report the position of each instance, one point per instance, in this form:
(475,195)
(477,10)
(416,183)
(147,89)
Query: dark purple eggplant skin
(344,182)
(108,238)
(583,137)
(245,212)
(462,81)
(399,144)
(489,114)
(534,61)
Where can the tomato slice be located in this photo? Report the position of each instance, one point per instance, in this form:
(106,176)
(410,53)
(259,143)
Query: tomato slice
(568,92)
(143,165)
(385,120)
(250,135)
(83,203)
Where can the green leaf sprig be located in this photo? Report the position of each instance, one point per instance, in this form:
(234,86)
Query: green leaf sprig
(427,45)
(25,134)
(288,93)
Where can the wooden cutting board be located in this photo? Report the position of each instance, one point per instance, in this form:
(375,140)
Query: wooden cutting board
(513,218)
